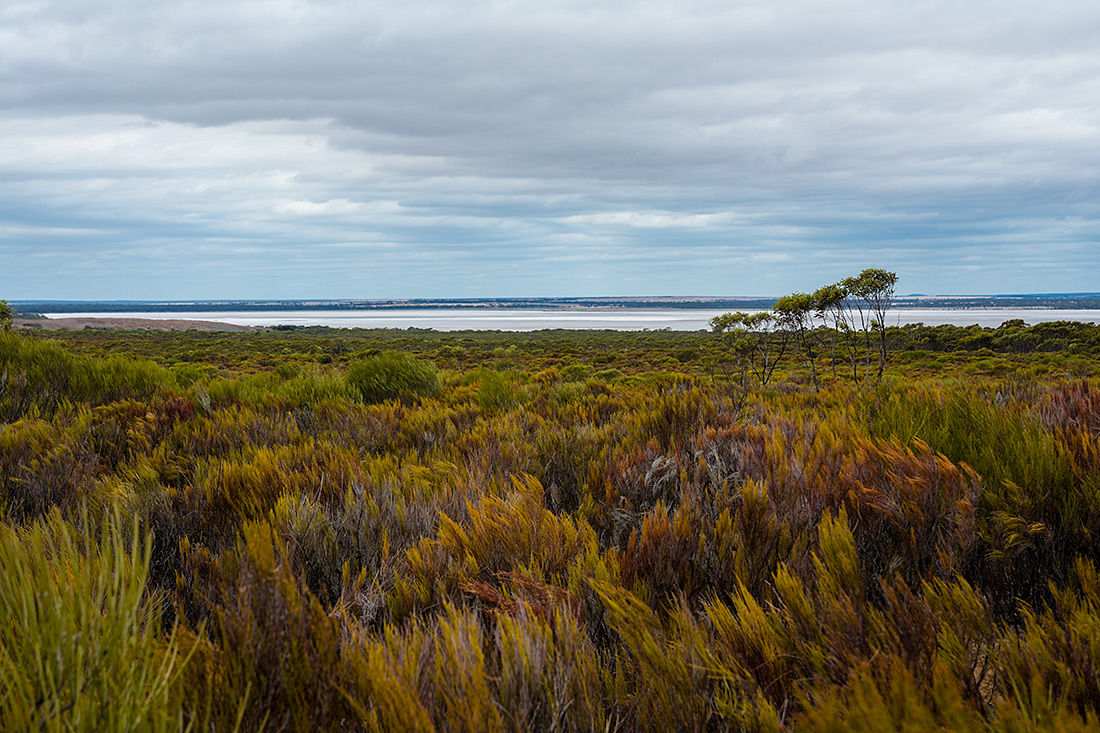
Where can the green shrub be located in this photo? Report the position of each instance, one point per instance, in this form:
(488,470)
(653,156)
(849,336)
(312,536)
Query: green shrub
(576,372)
(81,643)
(450,351)
(497,391)
(393,374)
(565,392)
(45,375)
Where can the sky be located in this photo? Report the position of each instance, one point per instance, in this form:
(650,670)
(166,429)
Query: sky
(328,149)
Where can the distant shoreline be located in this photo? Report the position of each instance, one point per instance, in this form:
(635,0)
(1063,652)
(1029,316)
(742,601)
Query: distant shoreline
(1067,301)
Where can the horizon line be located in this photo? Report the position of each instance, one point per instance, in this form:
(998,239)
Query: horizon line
(498,299)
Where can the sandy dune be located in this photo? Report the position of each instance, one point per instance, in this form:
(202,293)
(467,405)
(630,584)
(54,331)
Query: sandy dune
(130,324)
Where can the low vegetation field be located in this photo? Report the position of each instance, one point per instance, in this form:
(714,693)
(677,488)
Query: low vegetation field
(311,529)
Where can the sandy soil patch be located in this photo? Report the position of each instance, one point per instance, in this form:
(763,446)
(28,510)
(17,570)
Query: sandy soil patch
(130,324)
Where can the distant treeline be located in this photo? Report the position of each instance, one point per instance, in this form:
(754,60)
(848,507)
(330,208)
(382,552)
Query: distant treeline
(1043,300)
(1066,300)
(367,305)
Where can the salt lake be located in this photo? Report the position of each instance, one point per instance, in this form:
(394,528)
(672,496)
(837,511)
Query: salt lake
(504,319)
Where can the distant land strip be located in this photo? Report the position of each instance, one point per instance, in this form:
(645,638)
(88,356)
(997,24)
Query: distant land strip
(1040,300)
(128,324)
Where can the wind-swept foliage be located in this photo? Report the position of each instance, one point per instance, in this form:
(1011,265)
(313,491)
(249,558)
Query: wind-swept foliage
(81,641)
(384,531)
(391,375)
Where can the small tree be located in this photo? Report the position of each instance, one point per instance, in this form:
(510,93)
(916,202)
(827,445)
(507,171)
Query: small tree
(7,314)
(730,326)
(869,297)
(859,319)
(829,307)
(854,305)
(795,314)
(878,292)
(758,340)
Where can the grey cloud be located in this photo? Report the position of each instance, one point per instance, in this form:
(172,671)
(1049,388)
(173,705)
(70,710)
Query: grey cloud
(797,130)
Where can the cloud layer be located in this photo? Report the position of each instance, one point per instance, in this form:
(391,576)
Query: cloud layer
(350,149)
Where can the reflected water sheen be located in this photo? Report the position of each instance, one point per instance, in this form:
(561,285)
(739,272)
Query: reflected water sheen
(503,319)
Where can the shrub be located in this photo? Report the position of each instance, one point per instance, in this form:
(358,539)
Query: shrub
(81,643)
(496,392)
(45,375)
(277,660)
(576,372)
(391,375)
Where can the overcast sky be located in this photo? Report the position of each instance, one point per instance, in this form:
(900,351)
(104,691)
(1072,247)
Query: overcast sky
(277,149)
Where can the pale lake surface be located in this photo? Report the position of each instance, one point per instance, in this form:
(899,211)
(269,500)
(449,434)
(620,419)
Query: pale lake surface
(502,319)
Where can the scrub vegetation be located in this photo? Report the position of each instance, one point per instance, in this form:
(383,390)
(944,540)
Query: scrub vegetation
(312,529)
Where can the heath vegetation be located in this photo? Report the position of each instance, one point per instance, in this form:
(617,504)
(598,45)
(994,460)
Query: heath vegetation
(806,523)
